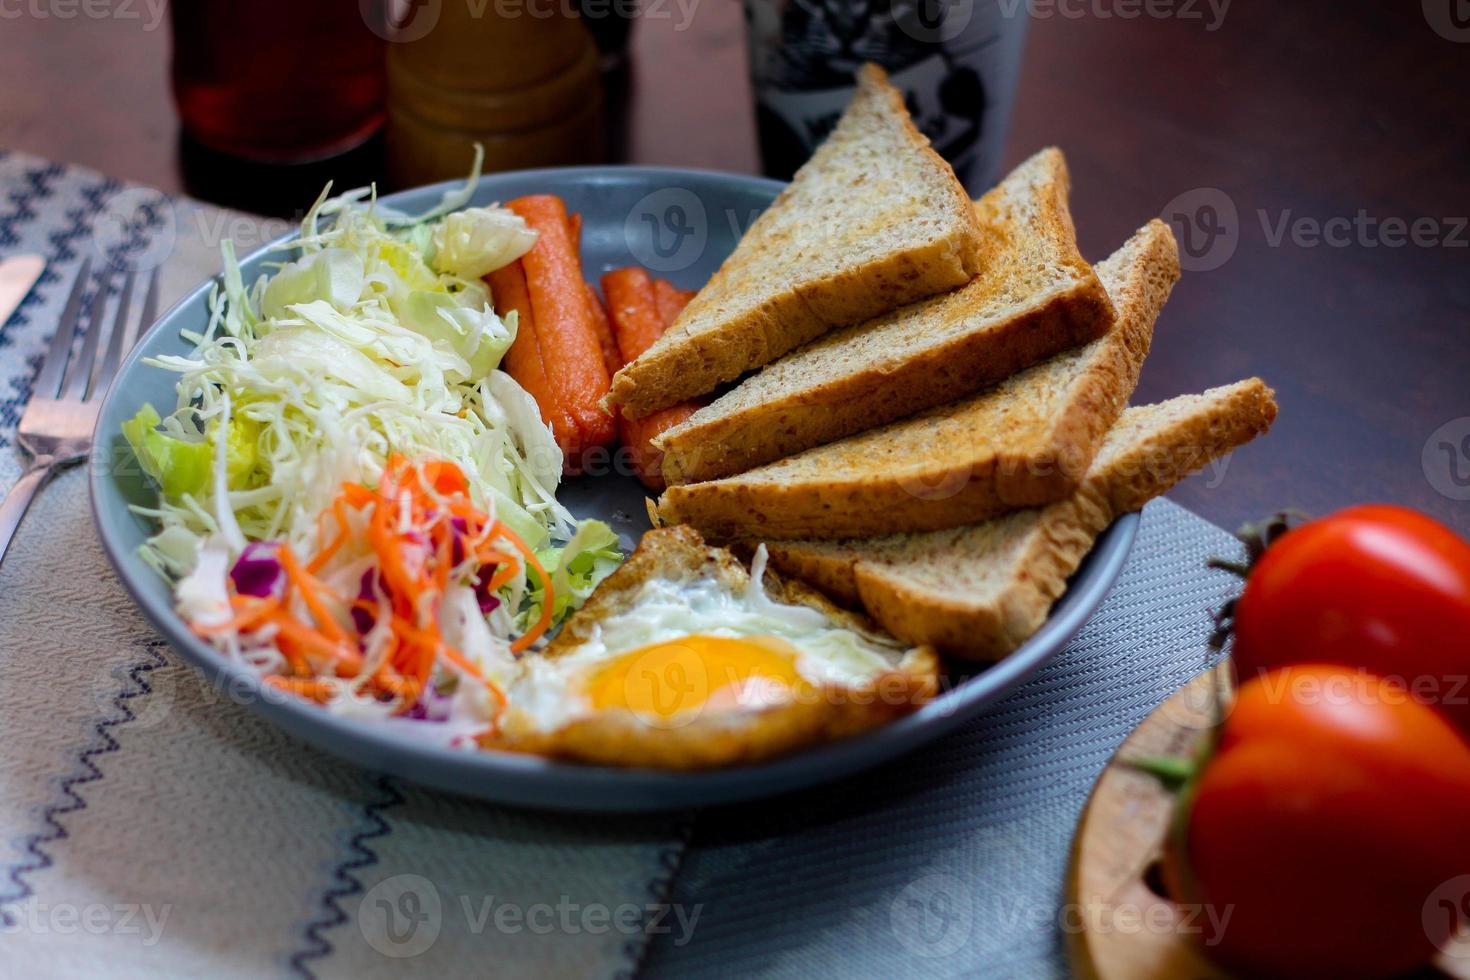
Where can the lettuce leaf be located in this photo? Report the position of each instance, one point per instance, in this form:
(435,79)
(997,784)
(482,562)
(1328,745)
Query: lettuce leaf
(334,275)
(514,408)
(476,241)
(474,333)
(186,467)
(577,568)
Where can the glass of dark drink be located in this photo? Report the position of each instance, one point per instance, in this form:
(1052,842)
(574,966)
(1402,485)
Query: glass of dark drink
(279,81)
(611,24)
(956,62)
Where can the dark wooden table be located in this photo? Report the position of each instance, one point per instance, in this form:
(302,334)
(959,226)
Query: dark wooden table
(1328,126)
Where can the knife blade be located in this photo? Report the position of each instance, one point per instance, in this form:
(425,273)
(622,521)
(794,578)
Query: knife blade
(17,275)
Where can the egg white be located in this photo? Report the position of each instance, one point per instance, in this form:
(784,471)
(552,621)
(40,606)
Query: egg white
(550,693)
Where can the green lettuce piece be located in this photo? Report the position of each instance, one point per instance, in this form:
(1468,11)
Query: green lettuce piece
(519,520)
(576,569)
(477,335)
(406,264)
(578,566)
(182,467)
(476,241)
(334,275)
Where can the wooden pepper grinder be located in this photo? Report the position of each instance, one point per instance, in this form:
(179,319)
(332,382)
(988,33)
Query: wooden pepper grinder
(523,82)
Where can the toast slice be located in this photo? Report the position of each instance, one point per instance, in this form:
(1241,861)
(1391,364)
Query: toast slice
(708,737)
(1033,297)
(874,220)
(981,591)
(1028,441)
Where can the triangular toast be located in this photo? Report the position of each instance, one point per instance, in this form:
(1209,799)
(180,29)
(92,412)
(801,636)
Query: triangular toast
(1034,296)
(1025,442)
(876,219)
(980,591)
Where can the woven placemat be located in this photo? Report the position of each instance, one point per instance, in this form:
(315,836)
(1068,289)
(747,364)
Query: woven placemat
(150,826)
(951,861)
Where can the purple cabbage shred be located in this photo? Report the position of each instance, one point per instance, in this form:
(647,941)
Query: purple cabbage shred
(258,572)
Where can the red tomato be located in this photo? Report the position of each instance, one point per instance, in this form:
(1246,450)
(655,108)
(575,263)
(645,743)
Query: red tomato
(1330,814)
(1377,586)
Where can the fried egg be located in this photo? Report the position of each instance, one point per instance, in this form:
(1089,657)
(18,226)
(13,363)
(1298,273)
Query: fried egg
(682,659)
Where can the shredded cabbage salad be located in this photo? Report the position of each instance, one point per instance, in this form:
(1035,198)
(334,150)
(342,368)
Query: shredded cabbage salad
(346,481)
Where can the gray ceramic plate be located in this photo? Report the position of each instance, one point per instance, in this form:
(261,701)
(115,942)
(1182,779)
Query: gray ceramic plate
(680,224)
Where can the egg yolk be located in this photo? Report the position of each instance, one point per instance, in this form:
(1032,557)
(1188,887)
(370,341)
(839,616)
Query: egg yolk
(665,679)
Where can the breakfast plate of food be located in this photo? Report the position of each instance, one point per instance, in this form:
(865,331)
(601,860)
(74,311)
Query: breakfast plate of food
(501,487)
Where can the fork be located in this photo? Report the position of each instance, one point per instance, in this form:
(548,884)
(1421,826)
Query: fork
(56,428)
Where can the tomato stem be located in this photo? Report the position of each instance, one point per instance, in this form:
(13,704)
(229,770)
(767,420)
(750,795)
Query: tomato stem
(1172,771)
(1261,535)
(1256,538)
(1239,568)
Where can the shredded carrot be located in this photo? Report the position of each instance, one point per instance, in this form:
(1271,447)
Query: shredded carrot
(306,687)
(442,564)
(547,598)
(250,613)
(308,587)
(417,515)
(491,556)
(357,495)
(407,688)
(502,575)
(304,638)
(394,576)
(339,510)
(443,478)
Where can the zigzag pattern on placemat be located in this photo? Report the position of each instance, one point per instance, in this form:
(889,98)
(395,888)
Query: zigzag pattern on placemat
(83,772)
(37,188)
(658,890)
(344,874)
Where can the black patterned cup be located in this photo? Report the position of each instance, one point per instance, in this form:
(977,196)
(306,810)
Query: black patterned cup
(956,62)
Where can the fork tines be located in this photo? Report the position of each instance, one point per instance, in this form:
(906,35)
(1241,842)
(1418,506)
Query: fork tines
(79,377)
